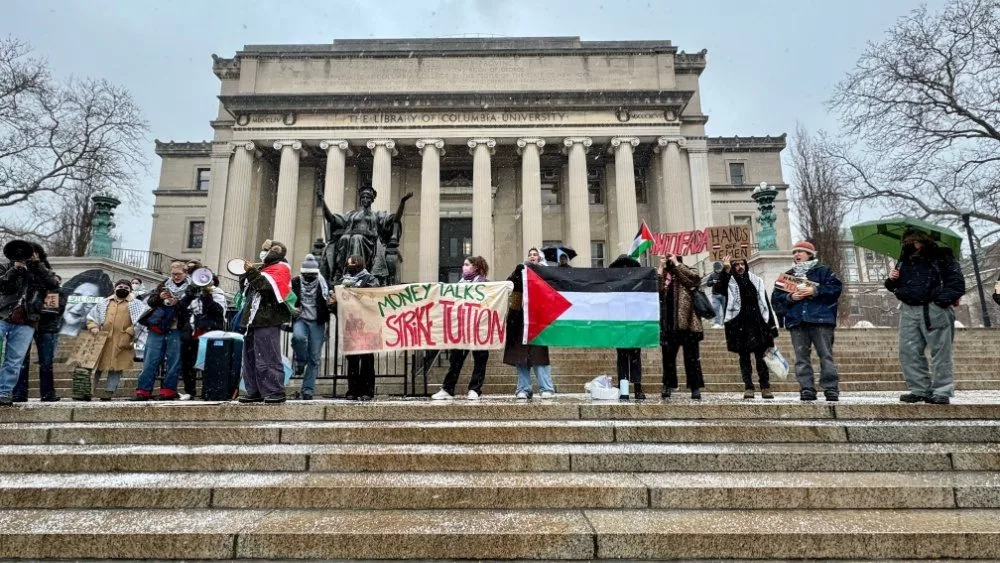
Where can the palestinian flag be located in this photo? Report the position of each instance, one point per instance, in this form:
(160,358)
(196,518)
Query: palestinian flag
(591,307)
(279,275)
(642,242)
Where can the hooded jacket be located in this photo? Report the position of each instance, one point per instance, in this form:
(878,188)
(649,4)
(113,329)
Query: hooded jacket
(930,276)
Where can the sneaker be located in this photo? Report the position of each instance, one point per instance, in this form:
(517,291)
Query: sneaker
(142,395)
(831,396)
(168,395)
(275,399)
(184,397)
(365,398)
(250,399)
(938,400)
(548,395)
(911,398)
(442,395)
(473,396)
(807,395)
(6,402)
(748,394)
(766,394)
(521,395)
(307,397)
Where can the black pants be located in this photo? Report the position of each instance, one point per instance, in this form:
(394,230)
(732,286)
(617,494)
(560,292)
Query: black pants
(456,359)
(746,370)
(692,363)
(189,355)
(361,375)
(630,364)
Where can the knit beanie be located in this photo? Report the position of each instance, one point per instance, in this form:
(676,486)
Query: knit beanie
(310,265)
(806,246)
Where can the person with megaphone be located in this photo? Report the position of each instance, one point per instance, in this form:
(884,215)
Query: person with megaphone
(204,310)
(24,282)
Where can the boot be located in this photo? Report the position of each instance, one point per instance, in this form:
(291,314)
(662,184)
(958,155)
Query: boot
(665,392)
(639,395)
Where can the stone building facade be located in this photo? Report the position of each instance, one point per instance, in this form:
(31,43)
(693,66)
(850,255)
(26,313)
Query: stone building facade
(505,143)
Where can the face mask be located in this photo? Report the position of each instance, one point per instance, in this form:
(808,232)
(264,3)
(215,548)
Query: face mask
(309,277)
(136,286)
(272,257)
(121,293)
(468,271)
(263,254)
(353,269)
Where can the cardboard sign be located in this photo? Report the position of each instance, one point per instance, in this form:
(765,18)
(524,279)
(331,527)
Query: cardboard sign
(732,241)
(51,302)
(88,349)
(791,284)
(423,316)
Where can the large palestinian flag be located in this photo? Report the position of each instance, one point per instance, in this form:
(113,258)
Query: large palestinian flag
(591,307)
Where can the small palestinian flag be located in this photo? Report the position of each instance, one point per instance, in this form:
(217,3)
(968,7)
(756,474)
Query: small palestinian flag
(591,307)
(642,242)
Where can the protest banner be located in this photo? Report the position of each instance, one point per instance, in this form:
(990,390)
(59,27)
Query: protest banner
(423,316)
(791,284)
(682,243)
(731,240)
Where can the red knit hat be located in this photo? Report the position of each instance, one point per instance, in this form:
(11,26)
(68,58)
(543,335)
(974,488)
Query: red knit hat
(806,246)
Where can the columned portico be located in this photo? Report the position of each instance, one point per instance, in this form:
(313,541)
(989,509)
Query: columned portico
(482,197)
(337,152)
(382,150)
(627,216)
(672,213)
(234,239)
(530,149)
(288,187)
(221,154)
(431,151)
(577,206)
(701,192)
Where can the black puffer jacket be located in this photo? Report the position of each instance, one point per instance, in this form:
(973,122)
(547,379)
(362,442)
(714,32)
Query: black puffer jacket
(26,286)
(930,276)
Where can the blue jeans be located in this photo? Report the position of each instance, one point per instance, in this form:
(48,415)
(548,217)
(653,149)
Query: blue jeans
(719,304)
(159,347)
(307,342)
(542,373)
(18,340)
(45,345)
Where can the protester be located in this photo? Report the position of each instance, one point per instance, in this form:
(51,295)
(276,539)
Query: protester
(119,317)
(265,309)
(23,287)
(360,367)
(525,356)
(201,310)
(718,299)
(164,341)
(629,360)
(312,295)
(928,282)
(474,270)
(189,342)
(680,326)
(46,339)
(139,290)
(811,317)
(749,322)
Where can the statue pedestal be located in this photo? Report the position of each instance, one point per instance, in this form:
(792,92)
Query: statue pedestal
(768,264)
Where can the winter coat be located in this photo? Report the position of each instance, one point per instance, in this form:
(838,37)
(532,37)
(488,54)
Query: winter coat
(205,311)
(931,276)
(119,318)
(271,311)
(677,313)
(746,330)
(820,309)
(26,287)
(323,310)
(514,352)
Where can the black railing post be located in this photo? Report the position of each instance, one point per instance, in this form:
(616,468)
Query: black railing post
(975,268)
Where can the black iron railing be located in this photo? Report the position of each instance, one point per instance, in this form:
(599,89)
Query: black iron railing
(143,259)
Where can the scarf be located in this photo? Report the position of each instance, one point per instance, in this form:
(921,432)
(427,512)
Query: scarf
(735,301)
(310,287)
(177,290)
(800,269)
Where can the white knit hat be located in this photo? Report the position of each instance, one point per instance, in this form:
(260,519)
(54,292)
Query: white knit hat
(310,265)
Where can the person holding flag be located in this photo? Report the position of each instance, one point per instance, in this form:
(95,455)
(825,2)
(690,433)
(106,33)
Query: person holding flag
(267,303)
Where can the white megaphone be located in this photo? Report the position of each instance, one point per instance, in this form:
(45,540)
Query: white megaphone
(202,277)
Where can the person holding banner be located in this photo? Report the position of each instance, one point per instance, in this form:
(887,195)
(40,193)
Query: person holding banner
(360,367)
(680,325)
(629,360)
(525,356)
(474,270)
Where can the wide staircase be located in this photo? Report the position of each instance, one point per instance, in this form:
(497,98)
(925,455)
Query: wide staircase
(868,360)
(865,478)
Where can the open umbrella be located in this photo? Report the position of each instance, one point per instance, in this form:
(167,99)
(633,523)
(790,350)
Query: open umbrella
(885,236)
(551,253)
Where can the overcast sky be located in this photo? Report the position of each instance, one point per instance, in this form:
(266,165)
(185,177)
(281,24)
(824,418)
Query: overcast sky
(770,63)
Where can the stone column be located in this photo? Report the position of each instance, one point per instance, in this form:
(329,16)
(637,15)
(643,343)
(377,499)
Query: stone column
(288,188)
(482,197)
(215,215)
(576,205)
(701,191)
(530,149)
(672,213)
(430,209)
(383,150)
(337,152)
(626,211)
(234,238)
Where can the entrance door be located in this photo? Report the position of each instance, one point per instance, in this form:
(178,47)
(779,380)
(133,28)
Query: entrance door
(456,244)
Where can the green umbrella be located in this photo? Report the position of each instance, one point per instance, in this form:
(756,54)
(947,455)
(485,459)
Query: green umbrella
(885,235)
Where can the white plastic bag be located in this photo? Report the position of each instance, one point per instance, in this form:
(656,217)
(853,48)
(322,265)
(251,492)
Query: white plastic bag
(602,388)
(776,364)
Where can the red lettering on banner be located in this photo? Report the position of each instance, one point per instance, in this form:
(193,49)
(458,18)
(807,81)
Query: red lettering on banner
(412,328)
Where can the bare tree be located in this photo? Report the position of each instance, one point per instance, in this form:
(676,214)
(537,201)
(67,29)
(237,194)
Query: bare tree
(818,201)
(60,140)
(921,115)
